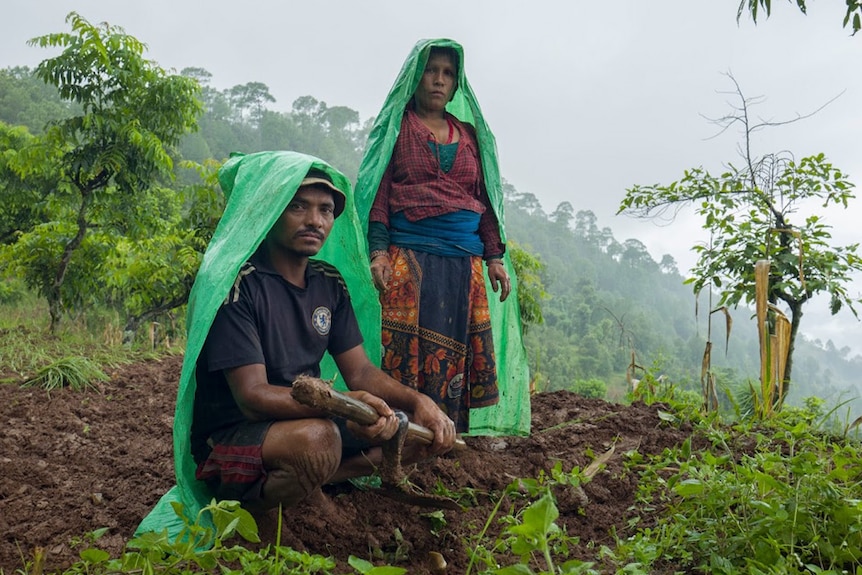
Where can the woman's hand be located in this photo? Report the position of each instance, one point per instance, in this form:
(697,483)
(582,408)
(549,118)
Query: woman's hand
(499,278)
(381,271)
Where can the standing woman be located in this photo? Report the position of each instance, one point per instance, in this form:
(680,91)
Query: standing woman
(430,192)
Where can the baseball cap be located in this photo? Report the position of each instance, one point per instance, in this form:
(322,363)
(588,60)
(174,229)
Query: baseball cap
(319,177)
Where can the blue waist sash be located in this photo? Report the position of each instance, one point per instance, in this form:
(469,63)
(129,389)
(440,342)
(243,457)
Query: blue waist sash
(451,235)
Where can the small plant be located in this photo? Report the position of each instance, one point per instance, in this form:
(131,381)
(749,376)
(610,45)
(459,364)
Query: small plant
(536,533)
(77,373)
(788,504)
(367,568)
(438,521)
(198,548)
(464,496)
(532,530)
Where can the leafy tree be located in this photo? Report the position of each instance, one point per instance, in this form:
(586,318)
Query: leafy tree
(24,191)
(132,112)
(854,10)
(25,100)
(636,255)
(531,290)
(201,75)
(593,388)
(668,264)
(586,227)
(154,276)
(748,210)
(563,215)
(250,97)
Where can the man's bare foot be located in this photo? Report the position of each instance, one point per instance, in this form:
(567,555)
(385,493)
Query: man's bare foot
(320,500)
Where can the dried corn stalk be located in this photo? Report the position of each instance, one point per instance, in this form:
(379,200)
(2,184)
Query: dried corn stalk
(774,346)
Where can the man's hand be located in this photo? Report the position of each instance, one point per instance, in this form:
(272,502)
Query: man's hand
(499,278)
(386,425)
(428,414)
(361,375)
(381,271)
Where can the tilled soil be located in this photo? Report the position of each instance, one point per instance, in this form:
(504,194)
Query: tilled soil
(72,462)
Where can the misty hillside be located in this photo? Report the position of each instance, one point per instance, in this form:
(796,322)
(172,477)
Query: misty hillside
(609,298)
(610,303)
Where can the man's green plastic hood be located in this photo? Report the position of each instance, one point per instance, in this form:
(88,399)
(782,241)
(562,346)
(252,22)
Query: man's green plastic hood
(258,187)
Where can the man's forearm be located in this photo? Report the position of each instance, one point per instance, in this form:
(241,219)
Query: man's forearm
(397,395)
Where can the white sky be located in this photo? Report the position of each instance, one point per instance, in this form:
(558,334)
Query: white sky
(585,98)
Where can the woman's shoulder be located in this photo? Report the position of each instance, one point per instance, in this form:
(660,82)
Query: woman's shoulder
(467,127)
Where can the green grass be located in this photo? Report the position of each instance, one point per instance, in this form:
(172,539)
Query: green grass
(27,348)
(77,373)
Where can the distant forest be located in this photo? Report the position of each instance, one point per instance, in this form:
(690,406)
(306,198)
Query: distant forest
(611,311)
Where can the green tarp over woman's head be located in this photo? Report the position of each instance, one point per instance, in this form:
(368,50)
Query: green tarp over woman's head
(511,416)
(258,187)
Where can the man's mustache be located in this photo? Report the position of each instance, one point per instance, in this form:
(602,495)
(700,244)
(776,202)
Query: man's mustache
(310,232)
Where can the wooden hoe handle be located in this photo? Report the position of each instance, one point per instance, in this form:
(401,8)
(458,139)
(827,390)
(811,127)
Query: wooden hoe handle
(316,393)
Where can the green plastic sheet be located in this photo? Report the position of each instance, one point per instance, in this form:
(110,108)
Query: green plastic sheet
(511,416)
(258,187)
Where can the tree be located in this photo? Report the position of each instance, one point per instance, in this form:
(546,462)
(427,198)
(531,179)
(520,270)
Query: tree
(748,210)
(527,202)
(854,10)
(531,289)
(636,255)
(24,193)
(251,96)
(668,264)
(25,100)
(563,215)
(132,112)
(586,227)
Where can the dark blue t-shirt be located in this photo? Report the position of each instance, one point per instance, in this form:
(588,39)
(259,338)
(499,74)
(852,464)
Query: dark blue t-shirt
(265,319)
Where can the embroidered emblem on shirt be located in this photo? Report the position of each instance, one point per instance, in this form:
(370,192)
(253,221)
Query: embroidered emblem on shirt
(456,386)
(321,319)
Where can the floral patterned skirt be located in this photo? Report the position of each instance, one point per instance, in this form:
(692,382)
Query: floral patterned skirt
(437,331)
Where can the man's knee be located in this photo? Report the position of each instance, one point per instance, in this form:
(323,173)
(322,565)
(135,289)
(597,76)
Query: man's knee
(300,458)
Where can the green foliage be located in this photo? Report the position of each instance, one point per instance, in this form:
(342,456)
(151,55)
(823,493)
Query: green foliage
(531,533)
(853,14)
(108,155)
(367,568)
(36,256)
(685,404)
(535,532)
(26,189)
(77,373)
(11,291)
(25,100)
(200,549)
(790,505)
(740,221)
(132,109)
(531,290)
(153,275)
(593,388)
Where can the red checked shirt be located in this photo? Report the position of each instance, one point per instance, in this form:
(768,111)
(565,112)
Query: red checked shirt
(415,184)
